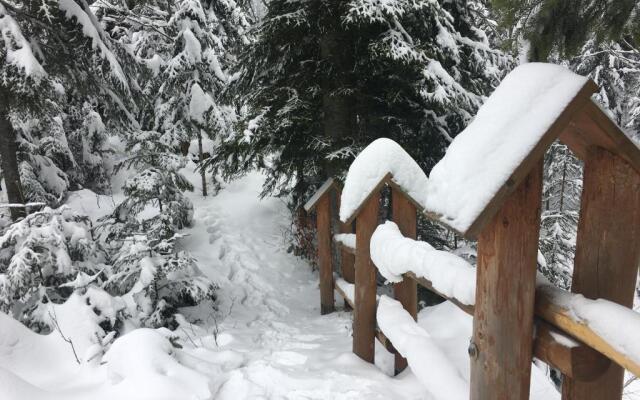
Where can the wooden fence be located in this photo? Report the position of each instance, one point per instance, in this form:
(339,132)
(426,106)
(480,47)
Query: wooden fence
(511,238)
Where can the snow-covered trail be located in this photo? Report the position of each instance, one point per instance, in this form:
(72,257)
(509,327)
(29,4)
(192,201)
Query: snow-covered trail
(271,340)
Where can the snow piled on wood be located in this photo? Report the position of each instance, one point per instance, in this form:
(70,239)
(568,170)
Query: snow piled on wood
(507,127)
(346,239)
(383,156)
(395,255)
(426,360)
(603,317)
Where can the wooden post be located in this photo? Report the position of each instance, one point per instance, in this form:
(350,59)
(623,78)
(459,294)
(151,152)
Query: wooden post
(325,258)
(607,252)
(501,348)
(364,315)
(406,292)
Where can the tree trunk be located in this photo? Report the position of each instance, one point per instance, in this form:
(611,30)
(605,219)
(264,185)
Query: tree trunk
(338,108)
(8,153)
(201,161)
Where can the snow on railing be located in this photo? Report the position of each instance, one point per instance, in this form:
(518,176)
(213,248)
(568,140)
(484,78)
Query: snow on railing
(396,255)
(427,361)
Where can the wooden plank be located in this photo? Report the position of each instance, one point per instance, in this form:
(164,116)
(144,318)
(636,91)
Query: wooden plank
(404,215)
(347,254)
(364,316)
(578,361)
(563,318)
(593,127)
(325,257)
(322,190)
(607,252)
(527,164)
(344,296)
(505,292)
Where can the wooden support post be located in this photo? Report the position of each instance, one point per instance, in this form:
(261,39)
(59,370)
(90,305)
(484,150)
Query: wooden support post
(406,292)
(502,343)
(607,252)
(325,257)
(364,315)
(347,260)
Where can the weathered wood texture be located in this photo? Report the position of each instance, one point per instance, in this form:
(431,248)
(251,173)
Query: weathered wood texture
(347,259)
(364,316)
(403,212)
(607,251)
(579,361)
(325,258)
(505,290)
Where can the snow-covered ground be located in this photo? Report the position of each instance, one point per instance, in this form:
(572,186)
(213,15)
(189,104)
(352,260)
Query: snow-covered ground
(266,340)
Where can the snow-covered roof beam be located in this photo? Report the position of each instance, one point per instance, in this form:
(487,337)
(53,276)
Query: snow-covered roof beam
(533,105)
(381,162)
(322,190)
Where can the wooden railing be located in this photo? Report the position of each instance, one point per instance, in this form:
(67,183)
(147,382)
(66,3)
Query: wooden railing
(565,344)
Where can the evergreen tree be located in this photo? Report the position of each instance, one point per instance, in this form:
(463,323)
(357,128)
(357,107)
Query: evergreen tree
(358,70)
(59,69)
(561,208)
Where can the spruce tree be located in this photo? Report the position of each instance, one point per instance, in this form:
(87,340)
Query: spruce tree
(358,70)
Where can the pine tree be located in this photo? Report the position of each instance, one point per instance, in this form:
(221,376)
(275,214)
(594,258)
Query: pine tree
(415,72)
(59,67)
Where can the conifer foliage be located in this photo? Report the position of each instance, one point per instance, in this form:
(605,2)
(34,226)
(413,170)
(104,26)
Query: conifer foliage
(358,70)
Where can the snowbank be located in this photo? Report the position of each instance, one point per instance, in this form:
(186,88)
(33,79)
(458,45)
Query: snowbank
(507,127)
(395,255)
(381,157)
(427,361)
(144,359)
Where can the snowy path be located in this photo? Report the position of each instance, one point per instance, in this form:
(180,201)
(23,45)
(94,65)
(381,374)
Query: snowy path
(266,340)
(273,343)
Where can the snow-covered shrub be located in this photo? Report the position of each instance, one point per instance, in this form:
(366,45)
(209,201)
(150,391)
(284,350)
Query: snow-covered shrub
(43,258)
(148,270)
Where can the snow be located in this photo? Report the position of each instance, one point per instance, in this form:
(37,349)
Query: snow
(381,157)
(432,367)
(266,338)
(347,239)
(199,104)
(394,255)
(506,128)
(19,53)
(349,289)
(71,10)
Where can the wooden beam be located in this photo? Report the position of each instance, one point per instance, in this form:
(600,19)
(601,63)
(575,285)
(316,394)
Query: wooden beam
(404,215)
(505,293)
(364,315)
(344,296)
(322,190)
(563,318)
(385,342)
(528,163)
(325,256)
(607,256)
(592,127)
(571,357)
(550,345)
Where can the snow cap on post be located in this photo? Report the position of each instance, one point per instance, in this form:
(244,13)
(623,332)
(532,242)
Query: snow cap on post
(381,161)
(510,133)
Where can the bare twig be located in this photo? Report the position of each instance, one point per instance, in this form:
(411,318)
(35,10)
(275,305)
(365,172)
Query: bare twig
(55,321)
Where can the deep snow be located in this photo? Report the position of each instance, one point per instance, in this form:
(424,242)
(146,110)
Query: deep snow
(266,340)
